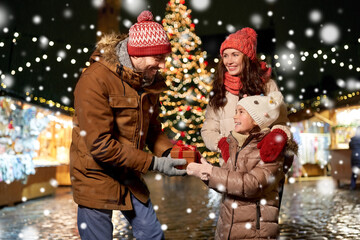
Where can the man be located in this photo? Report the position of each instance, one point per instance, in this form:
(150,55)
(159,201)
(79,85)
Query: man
(117,105)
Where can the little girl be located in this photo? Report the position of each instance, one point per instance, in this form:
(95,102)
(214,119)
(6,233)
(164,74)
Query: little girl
(250,185)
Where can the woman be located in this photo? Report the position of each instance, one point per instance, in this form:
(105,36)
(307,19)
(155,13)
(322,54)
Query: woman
(240,74)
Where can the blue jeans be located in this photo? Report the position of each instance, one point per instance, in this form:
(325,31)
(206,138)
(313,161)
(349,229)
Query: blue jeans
(96,224)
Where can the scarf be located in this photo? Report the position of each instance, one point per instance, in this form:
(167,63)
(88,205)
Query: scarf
(239,137)
(232,84)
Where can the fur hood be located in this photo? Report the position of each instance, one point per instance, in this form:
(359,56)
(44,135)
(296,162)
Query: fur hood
(107,47)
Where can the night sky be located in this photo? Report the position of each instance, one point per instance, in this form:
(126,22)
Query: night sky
(65,33)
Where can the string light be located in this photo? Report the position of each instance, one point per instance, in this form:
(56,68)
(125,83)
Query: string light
(28,64)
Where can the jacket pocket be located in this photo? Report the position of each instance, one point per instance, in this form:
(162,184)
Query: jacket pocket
(126,116)
(119,101)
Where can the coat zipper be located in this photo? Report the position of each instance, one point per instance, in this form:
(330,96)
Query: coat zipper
(140,119)
(232,222)
(232,210)
(258,215)
(119,70)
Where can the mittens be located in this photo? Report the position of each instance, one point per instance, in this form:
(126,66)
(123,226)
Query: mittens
(223,145)
(272,145)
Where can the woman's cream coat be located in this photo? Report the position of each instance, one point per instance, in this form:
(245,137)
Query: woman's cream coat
(218,124)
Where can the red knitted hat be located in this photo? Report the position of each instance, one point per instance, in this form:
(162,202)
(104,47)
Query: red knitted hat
(147,37)
(243,40)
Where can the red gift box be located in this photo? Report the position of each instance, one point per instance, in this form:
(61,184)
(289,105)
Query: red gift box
(187,152)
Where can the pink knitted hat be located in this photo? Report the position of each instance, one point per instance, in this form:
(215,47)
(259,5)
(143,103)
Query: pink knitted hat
(243,40)
(147,37)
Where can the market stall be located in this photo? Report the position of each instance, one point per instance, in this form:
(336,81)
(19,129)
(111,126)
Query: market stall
(345,120)
(313,136)
(34,146)
(324,138)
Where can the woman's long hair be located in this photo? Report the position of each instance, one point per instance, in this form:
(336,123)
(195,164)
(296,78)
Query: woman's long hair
(251,79)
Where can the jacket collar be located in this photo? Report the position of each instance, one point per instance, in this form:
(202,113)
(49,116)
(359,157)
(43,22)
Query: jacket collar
(252,136)
(105,54)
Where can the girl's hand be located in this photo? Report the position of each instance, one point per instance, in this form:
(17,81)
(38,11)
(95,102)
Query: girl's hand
(202,171)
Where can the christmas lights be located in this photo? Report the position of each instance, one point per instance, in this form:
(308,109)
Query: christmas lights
(183,106)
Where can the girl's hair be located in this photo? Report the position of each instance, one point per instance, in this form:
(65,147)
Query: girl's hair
(250,78)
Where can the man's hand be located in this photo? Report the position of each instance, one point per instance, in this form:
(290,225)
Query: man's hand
(272,145)
(166,165)
(202,171)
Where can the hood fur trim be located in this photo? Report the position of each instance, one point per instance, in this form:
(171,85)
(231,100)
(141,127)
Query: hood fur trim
(292,147)
(107,47)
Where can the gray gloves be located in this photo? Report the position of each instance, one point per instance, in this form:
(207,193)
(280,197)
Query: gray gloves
(166,165)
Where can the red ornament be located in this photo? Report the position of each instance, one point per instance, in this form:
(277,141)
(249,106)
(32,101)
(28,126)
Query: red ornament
(192,25)
(182,134)
(199,109)
(10,126)
(190,57)
(188,108)
(206,63)
(182,1)
(179,109)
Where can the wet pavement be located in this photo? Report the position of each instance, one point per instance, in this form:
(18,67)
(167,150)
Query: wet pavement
(188,210)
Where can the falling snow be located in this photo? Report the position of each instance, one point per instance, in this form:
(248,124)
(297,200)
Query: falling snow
(315,16)
(256,20)
(37,19)
(200,5)
(330,33)
(97,3)
(134,7)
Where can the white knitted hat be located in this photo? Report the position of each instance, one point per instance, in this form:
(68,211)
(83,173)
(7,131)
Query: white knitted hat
(147,37)
(264,110)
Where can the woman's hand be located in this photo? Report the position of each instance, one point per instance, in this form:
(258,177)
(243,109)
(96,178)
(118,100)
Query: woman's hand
(272,145)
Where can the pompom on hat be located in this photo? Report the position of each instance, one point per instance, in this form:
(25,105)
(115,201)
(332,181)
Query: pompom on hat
(244,40)
(264,110)
(147,37)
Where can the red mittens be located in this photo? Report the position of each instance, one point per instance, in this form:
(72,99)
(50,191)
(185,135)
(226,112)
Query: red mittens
(223,145)
(272,145)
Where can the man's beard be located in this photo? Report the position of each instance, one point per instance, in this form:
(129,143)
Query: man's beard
(149,75)
(148,78)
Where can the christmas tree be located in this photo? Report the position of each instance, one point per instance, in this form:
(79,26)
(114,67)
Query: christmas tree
(183,106)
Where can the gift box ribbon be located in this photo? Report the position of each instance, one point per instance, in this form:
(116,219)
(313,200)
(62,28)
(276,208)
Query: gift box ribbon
(183,147)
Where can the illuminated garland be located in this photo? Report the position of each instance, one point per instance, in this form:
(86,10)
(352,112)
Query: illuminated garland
(320,101)
(44,101)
